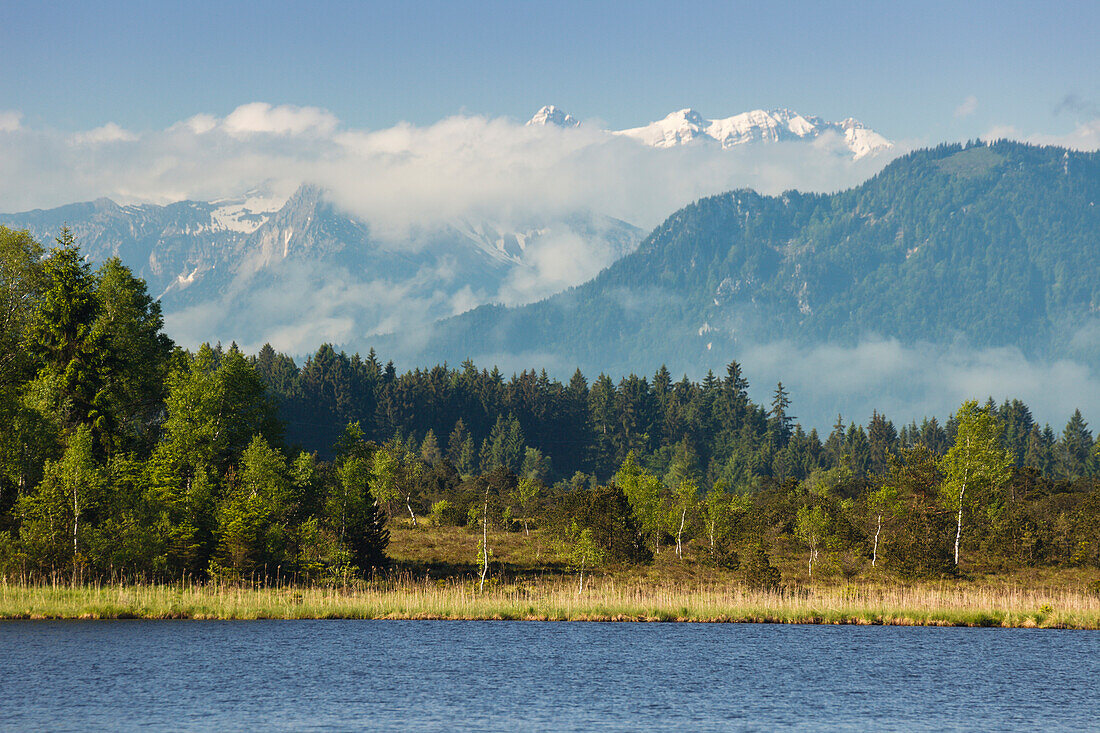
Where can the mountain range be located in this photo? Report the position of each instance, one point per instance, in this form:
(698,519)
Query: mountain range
(300,270)
(254,269)
(686,126)
(985,246)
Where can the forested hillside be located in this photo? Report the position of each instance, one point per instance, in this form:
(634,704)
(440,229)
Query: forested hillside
(122,453)
(983,245)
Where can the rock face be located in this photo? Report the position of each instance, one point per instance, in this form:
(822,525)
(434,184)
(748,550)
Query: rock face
(300,272)
(551,115)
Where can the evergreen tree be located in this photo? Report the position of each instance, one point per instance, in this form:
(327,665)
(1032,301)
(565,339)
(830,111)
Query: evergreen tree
(456,442)
(1075,448)
(882,440)
(779,422)
(429,449)
(61,335)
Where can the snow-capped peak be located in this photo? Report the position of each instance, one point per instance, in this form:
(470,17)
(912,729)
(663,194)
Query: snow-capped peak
(551,115)
(687,126)
(245,213)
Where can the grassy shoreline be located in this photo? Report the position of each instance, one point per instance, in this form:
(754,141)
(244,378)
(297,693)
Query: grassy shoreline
(558,600)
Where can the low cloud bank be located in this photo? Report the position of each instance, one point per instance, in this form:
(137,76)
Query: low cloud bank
(904,382)
(404,176)
(908,382)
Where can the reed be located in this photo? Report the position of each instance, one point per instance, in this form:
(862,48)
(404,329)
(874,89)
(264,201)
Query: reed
(557,599)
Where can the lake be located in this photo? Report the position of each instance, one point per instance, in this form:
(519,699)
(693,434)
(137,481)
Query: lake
(439,675)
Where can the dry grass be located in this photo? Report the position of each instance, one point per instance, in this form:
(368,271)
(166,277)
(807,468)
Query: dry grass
(557,599)
(434,580)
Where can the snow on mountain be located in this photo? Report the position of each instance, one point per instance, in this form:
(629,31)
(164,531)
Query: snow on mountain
(245,213)
(297,273)
(688,126)
(551,115)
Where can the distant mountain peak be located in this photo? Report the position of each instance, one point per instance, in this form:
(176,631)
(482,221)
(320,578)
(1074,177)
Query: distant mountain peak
(552,115)
(689,126)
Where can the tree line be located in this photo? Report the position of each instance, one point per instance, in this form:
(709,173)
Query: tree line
(122,453)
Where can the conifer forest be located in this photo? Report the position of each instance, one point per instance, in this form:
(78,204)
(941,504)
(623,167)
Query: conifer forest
(124,455)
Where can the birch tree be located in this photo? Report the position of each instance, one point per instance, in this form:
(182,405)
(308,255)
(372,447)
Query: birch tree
(811,525)
(53,516)
(685,498)
(384,475)
(976,463)
(881,503)
(523,496)
(643,491)
(484,554)
(586,553)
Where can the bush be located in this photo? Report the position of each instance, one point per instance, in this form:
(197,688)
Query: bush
(442,514)
(760,574)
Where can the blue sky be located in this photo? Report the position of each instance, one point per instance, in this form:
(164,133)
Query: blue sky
(906,70)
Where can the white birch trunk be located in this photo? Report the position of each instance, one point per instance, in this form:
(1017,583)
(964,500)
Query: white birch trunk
(962,493)
(679,534)
(874,552)
(959,527)
(484,541)
(76,521)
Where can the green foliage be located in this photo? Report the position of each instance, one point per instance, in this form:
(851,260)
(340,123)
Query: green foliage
(61,335)
(120,456)
(252,517)
(811,527)
(216,404)
(55,518)
(976,463)
(357,521)
(643,491)
(134,357)
(607,512)
(20,284)
(585,552)
(760,574)
(721,512)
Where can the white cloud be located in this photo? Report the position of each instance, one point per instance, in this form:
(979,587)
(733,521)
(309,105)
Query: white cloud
(1085,136)
(10,120)
(906,382)
(200,123)
(913,381)
(109,133)
(287,119)
(968,107)
(552,263)
(405,176)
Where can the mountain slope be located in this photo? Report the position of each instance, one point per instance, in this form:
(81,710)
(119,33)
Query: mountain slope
(302,272)
(991,246)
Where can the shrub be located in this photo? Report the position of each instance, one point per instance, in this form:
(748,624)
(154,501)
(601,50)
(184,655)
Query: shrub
(760,574)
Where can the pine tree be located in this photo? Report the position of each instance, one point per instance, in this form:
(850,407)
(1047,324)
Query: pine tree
(455,443)
(61,335)
(429,449)
(1075,448)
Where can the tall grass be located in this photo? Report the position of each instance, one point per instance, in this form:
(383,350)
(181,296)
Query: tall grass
(932,604)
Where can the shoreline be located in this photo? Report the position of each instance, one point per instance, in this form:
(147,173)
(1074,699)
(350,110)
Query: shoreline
(942,605)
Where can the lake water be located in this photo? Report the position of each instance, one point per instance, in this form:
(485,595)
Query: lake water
(428,675)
